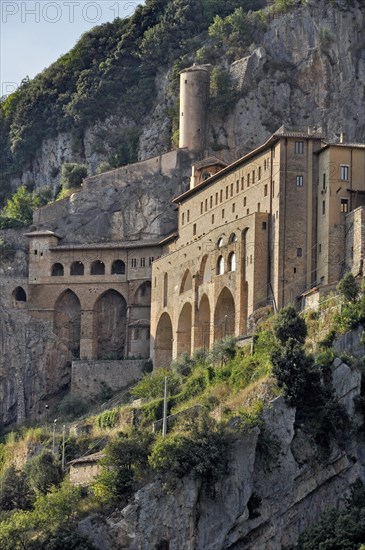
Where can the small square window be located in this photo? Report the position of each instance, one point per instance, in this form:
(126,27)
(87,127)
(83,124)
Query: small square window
(344,172)
(299,180)
(143,262)
(299,252)
(299,147)
(263,225)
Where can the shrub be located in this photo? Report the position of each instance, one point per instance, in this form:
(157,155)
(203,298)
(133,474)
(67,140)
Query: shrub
(203,452)
(223,350)
(347,287)
(104,166)
(43,472)
(19,208)
(108,419)
(72,175)
(152,385)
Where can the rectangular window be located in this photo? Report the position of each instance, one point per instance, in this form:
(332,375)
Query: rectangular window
(273,189)
(201,208)
(265,190)
(231,189)
(323,207)
(237,186)
(212,218)
(221,195)
(244,201)
(227,192)
(299,252)
(206,204)
(211,201)
(264,164)
(134,262)
(150,260)
(248,180)
(188,216)
(319,249)
(194,229)
(216,198)
(233,208)
(299,147)
(247,211)
(344,172)
(253,177)
(258,207)
(324,182)
(143,262)
(182,218)
(299,180)
(263,225)
(242,183)
(344,205)
(222,212)
(259,173)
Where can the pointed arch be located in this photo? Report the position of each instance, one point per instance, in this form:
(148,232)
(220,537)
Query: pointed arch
(232,262)
(19,294)
(142,295)
(220,265)
(186,282)
(203,336)
(67,321)
(205,271)
(184,330)
(110,325)
(224,315)
(163,342)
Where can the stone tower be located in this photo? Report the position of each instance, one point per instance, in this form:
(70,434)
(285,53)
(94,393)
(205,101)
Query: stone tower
(194,96)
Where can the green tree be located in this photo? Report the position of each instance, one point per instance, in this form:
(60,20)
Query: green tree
(21,205)
(15,491)
(72,175)
(152,385)
(289,325)
(44,472)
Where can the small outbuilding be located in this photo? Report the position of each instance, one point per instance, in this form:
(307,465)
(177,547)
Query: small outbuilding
(85,469)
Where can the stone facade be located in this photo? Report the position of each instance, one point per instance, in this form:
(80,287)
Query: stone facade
(264,229)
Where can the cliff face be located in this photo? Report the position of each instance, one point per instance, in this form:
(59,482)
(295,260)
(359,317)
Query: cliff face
(276,487)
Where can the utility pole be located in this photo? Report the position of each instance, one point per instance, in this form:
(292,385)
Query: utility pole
(164,420)
(225,326)
(54,436)
(63,447)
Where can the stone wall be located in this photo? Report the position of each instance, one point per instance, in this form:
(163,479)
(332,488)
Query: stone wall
(87,377)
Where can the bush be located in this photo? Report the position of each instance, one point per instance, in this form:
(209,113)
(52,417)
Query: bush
(18,210)
(347,287)
(43,471)
(223,350)
(72,406)
(108,419)
(72,175)
(202,453)
(152,385)
(15,491)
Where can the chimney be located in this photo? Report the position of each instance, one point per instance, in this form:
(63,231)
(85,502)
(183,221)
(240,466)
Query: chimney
(342,137)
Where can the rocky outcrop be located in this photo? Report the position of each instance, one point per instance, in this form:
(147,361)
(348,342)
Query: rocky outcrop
(276,487)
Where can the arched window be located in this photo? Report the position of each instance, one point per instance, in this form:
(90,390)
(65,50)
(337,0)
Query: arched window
(97,268)
(220,265)
(19,294)
(118,267)
(233,238)
(77,268)
(232,262)
(57,270)
(220,242)
(186,282)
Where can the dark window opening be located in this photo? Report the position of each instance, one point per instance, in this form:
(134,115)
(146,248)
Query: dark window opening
(97,268)
(57,270)
(118,267)
(77,268)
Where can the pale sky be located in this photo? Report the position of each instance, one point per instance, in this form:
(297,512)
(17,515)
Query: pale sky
(34,34)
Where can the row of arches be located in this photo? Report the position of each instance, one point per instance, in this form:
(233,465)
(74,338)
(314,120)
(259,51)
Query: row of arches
(96,268)
(206,271)
(208,326)
(109,322)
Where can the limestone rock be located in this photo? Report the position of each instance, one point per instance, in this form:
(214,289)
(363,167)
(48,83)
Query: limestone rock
(347,384)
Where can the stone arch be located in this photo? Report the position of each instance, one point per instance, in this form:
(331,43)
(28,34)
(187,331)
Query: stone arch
(184,330)
(203,324)
(224,315)
(118,267)
(186,282)
(57,270)
(232,262)
(67,321)
(205,271)
(97,268)
(19,297)
(77,268)
(163,342)
(110,325)
(232,238)
(142,295)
